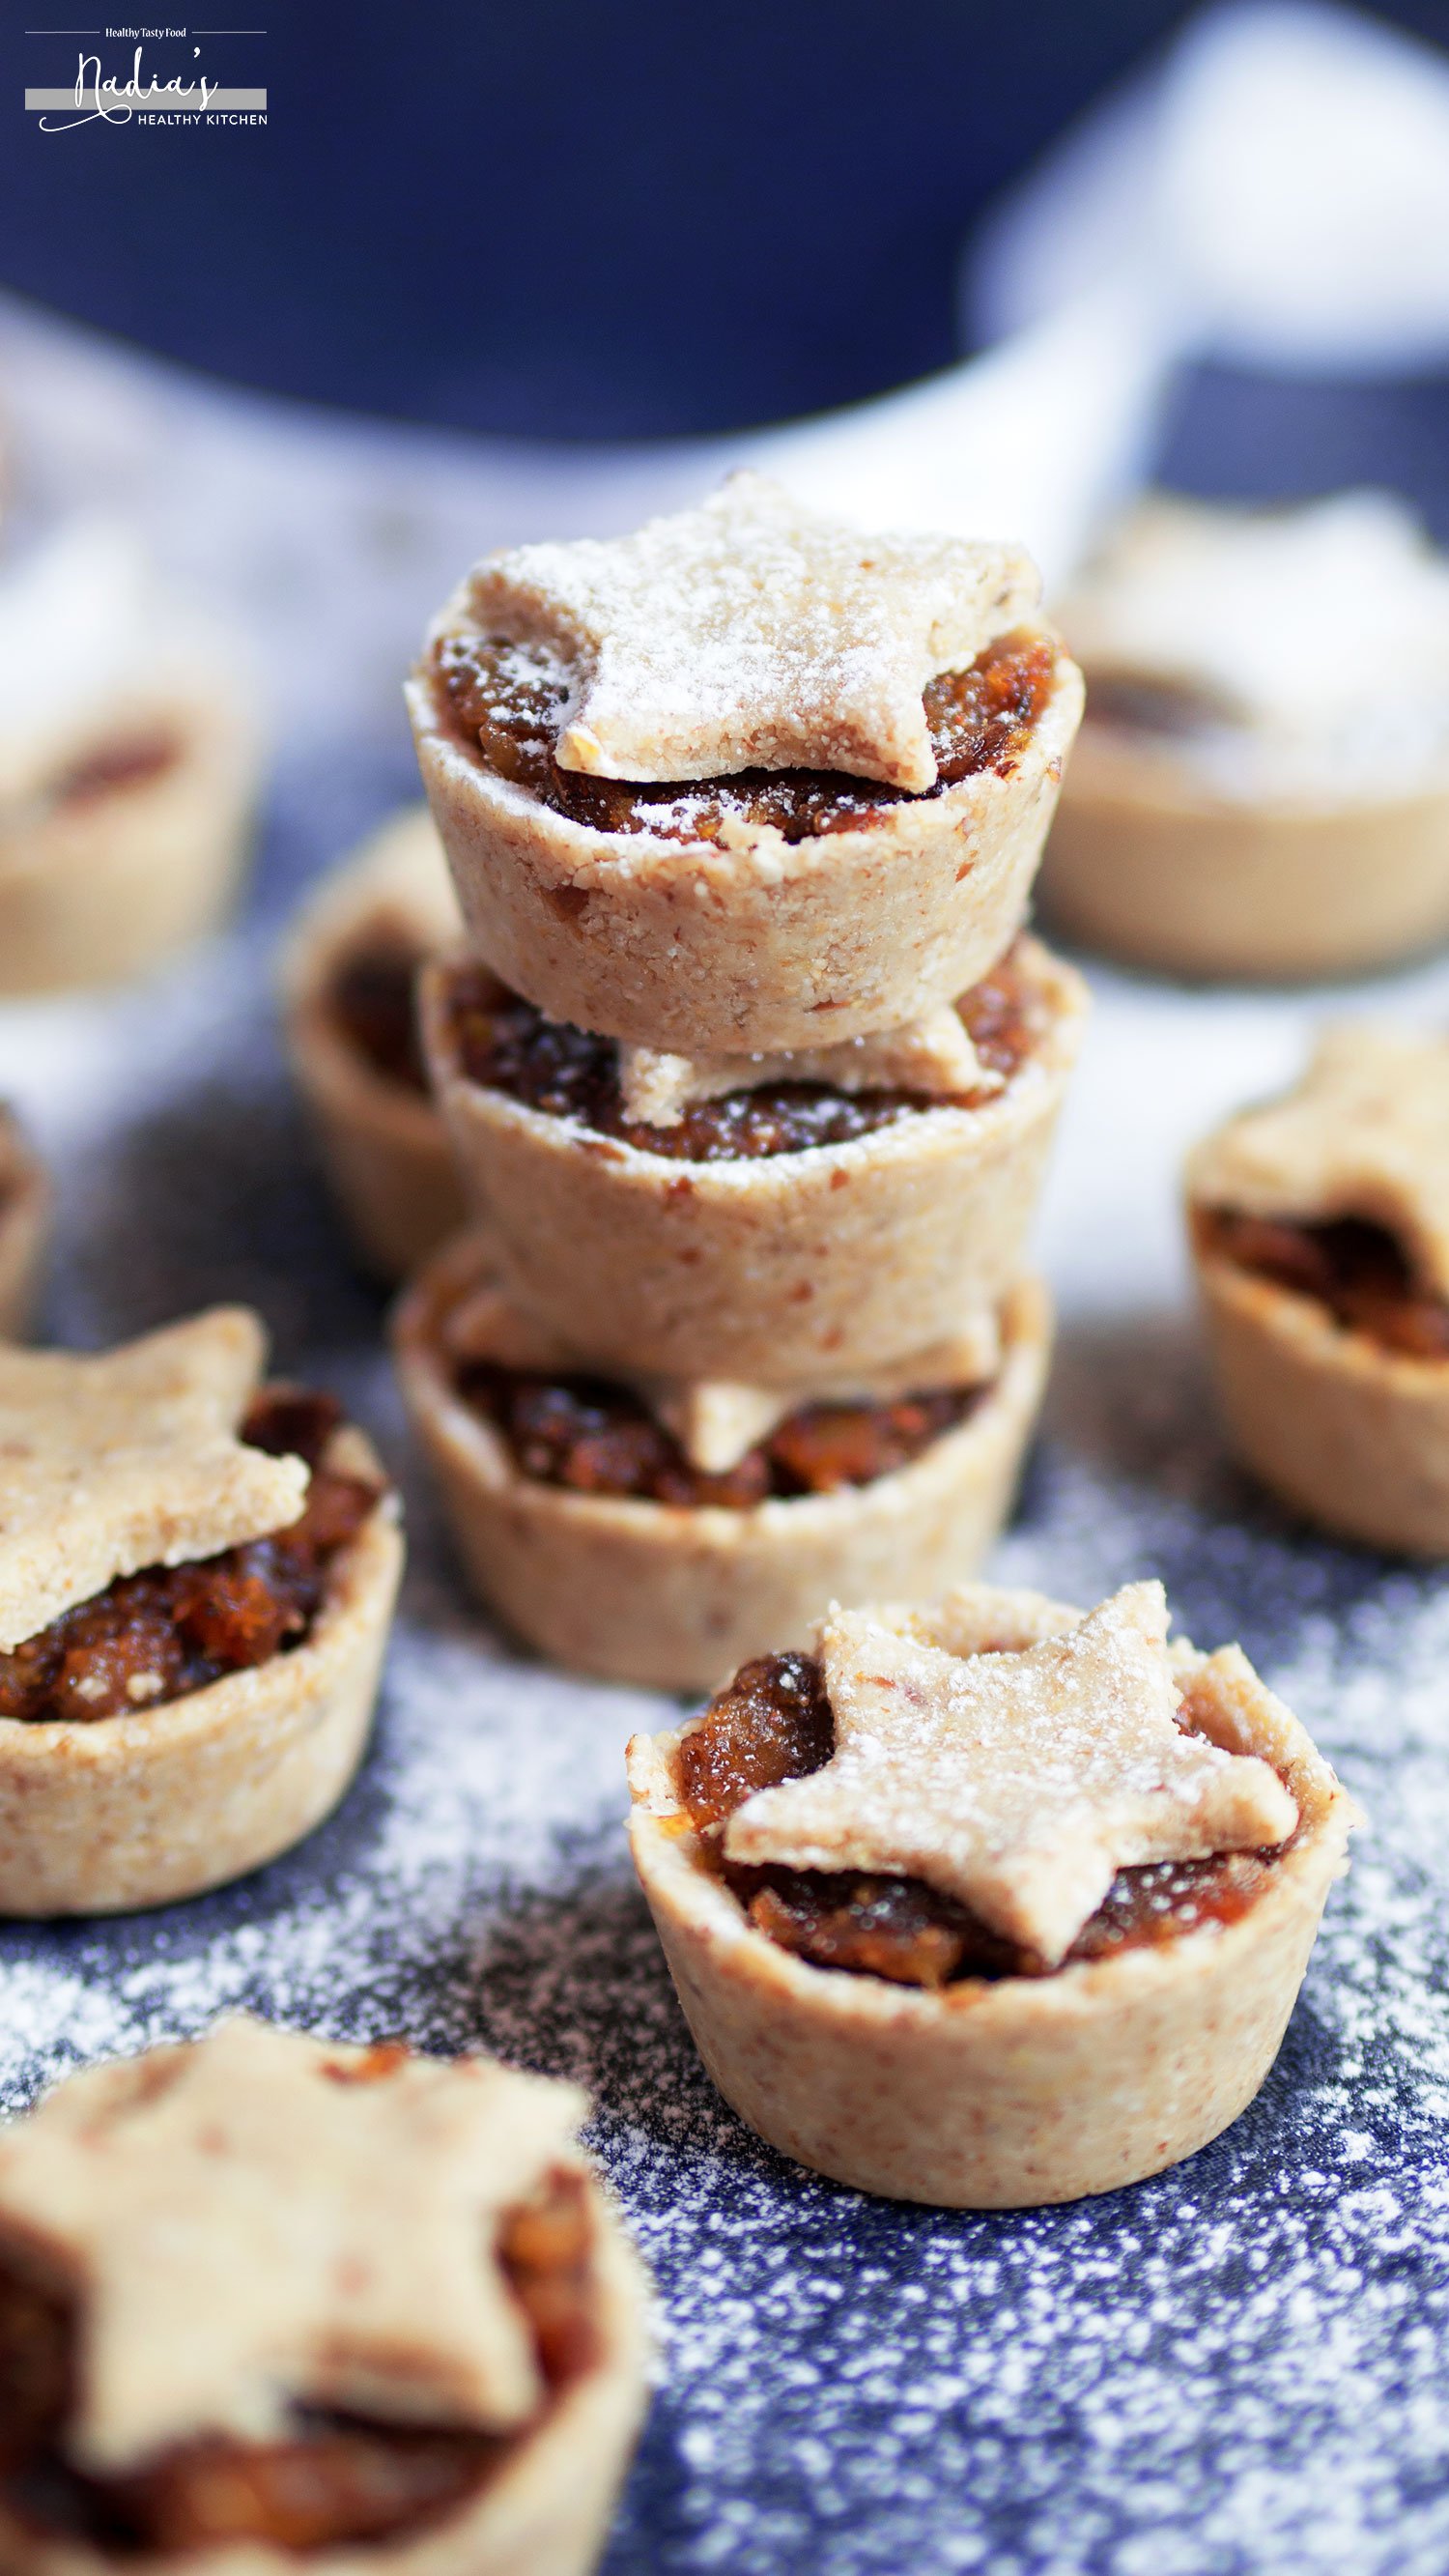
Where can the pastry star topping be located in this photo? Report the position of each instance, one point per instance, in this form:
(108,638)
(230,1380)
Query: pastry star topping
(261,2218)
(1365,1134)
(1018,1783)
(115,1460)
(934,1057)
(751,633)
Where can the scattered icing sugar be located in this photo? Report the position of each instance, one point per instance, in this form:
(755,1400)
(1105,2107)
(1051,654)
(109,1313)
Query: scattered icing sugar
(1237,2365)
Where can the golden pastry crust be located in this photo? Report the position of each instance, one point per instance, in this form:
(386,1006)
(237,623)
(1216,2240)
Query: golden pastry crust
(143,1809)
(545,2512)
(100,888)
(131,1457)
(1024,2091)
(25,1215)
(768,1270)
(1144,866)
(758,944)
(1353,1436)
(641,1592)
(384,1147)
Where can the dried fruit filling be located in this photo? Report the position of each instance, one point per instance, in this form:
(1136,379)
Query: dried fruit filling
(505,1044)
(773,1723)
(334,2478)
(599,1438)
(1360,1272)
(507,700)
(374,1000)
(154,1636)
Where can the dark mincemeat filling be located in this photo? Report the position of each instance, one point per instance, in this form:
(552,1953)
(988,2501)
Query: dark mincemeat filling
(508,700)
(154,1636)
(507,1045)
(114,766)
(773,1723)
(374,1001)
(1360,1272)
(335,2478)
(596,1437)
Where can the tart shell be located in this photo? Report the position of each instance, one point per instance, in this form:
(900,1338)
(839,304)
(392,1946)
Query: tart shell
(1353,1436)
(546,2513)
(643,1592)
(384,1146)
(1010,2094)
(834,1260)
(141,1810)
(102,889)
(1142,868)
(759,944)
(25,1213)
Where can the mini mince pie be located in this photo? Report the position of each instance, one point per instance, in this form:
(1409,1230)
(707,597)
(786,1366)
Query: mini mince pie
(990,1904)
(24,1226)
(1261,787)
(128,759)
(197,1573)
(746,780)
(1320,1228)
(350,973)
(270,2301)
(657,1530)
(805,1217)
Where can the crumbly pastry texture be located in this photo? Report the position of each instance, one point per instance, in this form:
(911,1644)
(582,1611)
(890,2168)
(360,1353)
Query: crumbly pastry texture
(129,1458)
(714,1420)
(250,2228)
(1365,1134)
(933,1056)
(1018,1782)
(752,633)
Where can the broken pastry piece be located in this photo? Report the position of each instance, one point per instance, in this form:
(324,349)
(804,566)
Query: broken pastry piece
(197,1575)
(766,1221)
(990,1904)
(747,781)
(128,766)
(350,972)
(1261,786)
(657,1533)
(1320,1230)
(25,1203)
(269,2301)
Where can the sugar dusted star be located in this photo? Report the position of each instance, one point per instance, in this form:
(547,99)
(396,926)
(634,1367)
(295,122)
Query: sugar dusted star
(1018,1783)
(115,1460)
(751,633)
(261,2219)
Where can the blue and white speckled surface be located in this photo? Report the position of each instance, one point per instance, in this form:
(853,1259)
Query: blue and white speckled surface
(1240,2366)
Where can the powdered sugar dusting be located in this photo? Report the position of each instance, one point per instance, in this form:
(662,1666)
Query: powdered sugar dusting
(753,633)
(1240,2365)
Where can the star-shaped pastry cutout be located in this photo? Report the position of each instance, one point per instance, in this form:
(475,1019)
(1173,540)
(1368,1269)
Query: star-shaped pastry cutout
(115,1460)
(752,633)
(934,1057)
(1018,1783)
(261,2218)
(1365,1134)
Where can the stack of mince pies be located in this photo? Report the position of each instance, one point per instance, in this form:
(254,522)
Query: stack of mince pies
(750,1071)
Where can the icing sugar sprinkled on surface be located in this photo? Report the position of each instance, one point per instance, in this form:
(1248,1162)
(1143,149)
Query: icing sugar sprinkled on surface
(1239,2366)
